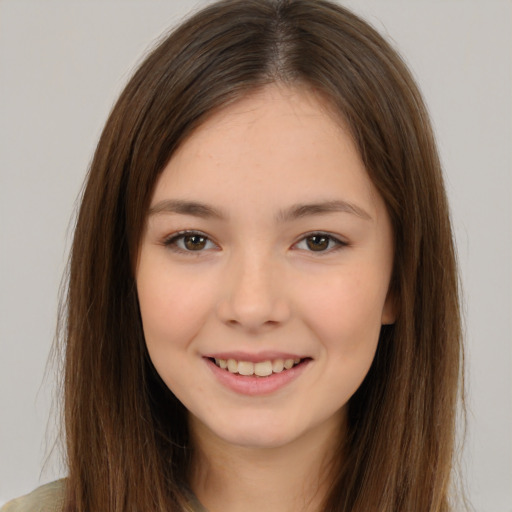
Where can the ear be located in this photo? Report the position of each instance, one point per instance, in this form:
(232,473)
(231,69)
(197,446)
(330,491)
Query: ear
(390,309)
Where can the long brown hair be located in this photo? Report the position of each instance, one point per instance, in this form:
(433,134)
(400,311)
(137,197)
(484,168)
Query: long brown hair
(126,433)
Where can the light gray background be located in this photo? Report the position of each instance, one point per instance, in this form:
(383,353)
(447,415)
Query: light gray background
(62,64)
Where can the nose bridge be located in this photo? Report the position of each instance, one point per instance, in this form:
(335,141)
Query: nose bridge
(254,295)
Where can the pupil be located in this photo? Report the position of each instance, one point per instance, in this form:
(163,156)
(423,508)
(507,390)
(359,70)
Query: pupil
(195,242)
(318,243)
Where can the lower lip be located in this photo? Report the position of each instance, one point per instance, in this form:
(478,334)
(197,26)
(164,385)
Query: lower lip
(254,386)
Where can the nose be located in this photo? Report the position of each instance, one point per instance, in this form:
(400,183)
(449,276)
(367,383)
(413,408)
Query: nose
(254,294)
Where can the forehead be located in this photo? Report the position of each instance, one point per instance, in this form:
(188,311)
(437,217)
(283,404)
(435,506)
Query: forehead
(275,145)
(293,111)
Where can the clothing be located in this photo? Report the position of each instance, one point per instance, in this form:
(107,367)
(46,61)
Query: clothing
(47,498)
(50,498)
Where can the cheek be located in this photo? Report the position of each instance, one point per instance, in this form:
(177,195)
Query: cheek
(173,307)
(345,313)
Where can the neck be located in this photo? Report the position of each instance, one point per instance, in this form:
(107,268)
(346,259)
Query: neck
(293,477)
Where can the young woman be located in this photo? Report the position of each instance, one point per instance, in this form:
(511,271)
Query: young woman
(262,310)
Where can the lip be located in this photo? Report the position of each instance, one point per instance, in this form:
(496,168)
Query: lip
(254,358)
(253,385)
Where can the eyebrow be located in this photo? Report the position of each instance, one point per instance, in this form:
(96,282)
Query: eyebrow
(297,211)
(193,208)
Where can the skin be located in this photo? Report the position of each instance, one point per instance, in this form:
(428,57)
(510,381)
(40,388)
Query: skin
(256,285)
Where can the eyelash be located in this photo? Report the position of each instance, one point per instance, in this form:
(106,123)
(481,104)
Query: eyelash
(334,243)
(172,242)
(337,244)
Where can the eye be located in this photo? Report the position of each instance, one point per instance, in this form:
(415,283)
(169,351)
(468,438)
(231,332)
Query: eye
(320,242)
(189,241)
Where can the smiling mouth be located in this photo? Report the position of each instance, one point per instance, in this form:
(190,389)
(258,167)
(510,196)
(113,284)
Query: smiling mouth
(260,369)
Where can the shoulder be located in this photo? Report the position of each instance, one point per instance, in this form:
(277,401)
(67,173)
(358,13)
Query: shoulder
(47,498)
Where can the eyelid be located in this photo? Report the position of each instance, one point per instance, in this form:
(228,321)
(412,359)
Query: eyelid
(170,241)
(339,242)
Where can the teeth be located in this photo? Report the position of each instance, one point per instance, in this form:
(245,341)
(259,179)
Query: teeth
(278,366)
(261,369)
(245,368)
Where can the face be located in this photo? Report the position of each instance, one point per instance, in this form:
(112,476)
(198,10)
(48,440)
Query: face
(264,269)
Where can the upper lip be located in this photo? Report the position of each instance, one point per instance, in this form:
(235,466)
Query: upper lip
(270,355)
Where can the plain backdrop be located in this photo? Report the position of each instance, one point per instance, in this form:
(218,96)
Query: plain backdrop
(62,64)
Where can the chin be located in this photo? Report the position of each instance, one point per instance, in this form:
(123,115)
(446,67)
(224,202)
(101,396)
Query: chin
(259,439)
(251,432)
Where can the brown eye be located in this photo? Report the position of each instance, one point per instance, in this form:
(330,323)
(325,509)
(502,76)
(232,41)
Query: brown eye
(195,242)
(318,242)
(188,242)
